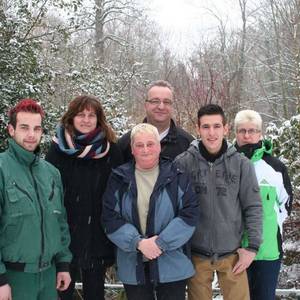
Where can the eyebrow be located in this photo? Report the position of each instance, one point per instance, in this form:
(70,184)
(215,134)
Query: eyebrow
(27,125)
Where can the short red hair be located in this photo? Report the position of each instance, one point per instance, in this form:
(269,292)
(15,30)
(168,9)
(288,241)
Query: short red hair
(24,105)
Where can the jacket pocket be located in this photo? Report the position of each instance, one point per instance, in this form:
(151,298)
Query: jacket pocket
(53,230)
(19,198)
(18,223)
(52,192)
(19,202)
(53,219)
(11,227)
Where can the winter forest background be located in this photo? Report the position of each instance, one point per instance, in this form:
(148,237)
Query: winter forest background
(53,50)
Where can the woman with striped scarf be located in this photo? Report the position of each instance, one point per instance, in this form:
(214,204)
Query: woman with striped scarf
(84,151)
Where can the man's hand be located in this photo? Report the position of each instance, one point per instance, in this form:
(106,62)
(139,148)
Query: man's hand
(63,280)
(5,292)
(245,259)
(149,248)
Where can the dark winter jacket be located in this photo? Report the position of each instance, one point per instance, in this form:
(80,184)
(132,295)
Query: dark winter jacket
(33,225)
(173,213)
(175,142)
(229,201)
(276,195)
(84,182)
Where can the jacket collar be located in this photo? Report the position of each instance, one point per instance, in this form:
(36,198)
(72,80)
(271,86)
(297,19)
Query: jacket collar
(223,159)
(194,150)
(255,152)
(23,156)
(212,157)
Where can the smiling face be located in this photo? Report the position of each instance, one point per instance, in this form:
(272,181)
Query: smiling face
(145,149)
(85,121)
(159,106)
(212,131)
(28,130)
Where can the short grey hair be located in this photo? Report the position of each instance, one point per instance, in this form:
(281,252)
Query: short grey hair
(248,115)
(160,83)
(144,128)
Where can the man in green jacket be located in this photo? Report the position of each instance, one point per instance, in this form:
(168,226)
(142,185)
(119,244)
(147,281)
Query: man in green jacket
(34,235)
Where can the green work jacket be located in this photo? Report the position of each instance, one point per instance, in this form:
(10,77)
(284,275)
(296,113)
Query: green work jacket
(33,230)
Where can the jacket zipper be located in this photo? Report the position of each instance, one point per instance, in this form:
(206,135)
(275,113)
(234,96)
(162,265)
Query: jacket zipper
(42,215)
(212,200)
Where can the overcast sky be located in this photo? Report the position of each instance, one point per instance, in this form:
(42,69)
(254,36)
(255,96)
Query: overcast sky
(186,22)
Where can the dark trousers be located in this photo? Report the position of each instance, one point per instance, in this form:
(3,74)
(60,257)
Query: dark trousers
(163,291)
(92,283)
(262,277)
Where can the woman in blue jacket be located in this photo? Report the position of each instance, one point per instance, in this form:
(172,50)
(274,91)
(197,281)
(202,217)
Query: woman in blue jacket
(150,213)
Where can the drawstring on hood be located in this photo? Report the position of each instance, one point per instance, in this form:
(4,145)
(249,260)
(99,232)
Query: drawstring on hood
(226,151)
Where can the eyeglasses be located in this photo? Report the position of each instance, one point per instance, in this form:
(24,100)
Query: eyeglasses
(156,102)
(250,131)
(141,146)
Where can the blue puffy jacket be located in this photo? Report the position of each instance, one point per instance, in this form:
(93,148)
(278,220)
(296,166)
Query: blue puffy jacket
(173,214)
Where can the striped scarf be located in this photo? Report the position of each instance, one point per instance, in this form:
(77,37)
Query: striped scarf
(92,145)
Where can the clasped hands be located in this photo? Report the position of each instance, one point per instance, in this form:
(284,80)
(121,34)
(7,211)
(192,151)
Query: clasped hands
(149,248)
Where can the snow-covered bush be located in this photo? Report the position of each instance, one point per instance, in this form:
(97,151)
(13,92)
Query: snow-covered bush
(286,142)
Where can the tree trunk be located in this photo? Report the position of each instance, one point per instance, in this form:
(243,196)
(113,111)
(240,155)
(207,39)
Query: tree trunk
(99,34)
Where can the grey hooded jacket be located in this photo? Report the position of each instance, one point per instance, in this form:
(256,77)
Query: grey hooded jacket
(229,201)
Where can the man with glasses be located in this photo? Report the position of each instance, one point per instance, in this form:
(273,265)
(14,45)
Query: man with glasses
(159,108)
(276,195)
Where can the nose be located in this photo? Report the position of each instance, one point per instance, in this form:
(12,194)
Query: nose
(145,148)
(161,105)
(211,130)
(246,135)
(31,132)
(86,119)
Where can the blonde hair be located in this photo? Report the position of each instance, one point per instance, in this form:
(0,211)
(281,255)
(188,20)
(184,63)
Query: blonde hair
(248,115)
(144,128)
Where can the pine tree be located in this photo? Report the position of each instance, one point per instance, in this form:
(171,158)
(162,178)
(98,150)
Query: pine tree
(286,142)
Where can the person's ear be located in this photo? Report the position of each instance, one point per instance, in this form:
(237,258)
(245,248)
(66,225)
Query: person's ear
(11,130)
(198,130)
(226,130)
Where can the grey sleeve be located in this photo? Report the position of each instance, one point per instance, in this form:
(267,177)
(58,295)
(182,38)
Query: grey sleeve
(251,204)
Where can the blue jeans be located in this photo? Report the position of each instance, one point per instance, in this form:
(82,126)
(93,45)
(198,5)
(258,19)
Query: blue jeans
(262,277)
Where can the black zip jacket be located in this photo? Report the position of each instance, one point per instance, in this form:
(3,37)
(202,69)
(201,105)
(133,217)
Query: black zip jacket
(84,182)
(175,142)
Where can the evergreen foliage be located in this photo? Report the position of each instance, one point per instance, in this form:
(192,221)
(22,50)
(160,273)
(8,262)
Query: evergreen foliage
(286,142)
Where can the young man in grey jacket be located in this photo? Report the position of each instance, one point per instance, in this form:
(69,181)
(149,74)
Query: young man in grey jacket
(229,204)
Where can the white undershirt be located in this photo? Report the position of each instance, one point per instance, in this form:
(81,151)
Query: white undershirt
(163,134)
